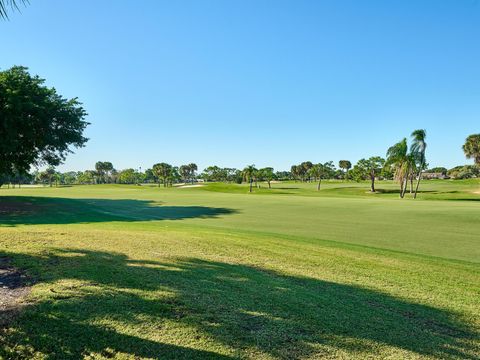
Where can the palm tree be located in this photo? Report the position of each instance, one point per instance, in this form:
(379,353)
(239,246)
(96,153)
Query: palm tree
(471,148)
(418,148)
(304,169)
(397,155)
(163,171)
(7,5)
(294,171)
(316,171)
(249,174)
(346,165)
(193,168)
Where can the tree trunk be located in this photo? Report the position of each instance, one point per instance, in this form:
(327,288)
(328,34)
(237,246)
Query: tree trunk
(405,186)
(411,183)
(319,183)
(372,188)
(251,184)
(418,180)
(402,182)
(269,186)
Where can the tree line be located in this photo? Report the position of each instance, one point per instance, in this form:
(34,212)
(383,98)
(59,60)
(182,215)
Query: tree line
(39,128)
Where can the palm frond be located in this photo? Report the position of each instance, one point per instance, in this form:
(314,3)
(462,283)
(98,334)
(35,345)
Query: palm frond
(418,141)
(10,5)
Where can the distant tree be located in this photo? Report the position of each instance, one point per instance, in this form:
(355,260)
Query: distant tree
(193,171)
(294,171)
(233,175)
(249,174)
(388,172)
(371,168)
(464,172)
(329,170)
(418,149)
(99,168)
(345,165)
(105,170)
(113,175)
(187,172)
(149,176)
(48,176)
(211,173)
(128,176)
(86,177)
(267,175)
(37,125)
(69,178)
(316,172)
(304,169)
(439,169)
(163,172)
(184,172)
(471,148)
(283,175)
(173,176)
(398,158)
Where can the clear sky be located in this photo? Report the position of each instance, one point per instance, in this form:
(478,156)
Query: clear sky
(274,83)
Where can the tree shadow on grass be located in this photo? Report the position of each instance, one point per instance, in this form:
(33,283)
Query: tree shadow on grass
(17,210)
(248,309)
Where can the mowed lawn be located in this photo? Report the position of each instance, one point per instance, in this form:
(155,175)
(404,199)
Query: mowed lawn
(215,272)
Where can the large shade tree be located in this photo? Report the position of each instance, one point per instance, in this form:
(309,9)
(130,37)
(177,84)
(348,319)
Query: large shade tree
(471,148)
(37,125)
(371,168)
(267,174)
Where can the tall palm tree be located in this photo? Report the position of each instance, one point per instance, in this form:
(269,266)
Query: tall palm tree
(249,174)
(418,149)
(471,148)
(397,155)
(8,5)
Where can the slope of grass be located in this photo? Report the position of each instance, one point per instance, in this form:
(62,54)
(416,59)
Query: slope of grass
(142,272)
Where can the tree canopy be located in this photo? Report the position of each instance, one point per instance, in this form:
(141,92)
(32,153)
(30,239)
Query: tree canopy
(471,148)
(37,125)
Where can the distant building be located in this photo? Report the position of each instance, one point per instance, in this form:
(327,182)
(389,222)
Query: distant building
(434,175)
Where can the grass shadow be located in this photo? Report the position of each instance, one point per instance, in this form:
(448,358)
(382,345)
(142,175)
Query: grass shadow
(248,309)
(21,210)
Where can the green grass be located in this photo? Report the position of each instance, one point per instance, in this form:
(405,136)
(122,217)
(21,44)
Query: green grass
(215,272)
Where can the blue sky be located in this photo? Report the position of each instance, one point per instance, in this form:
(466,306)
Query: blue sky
(275,82)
